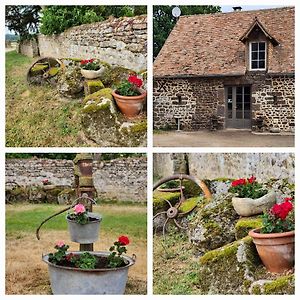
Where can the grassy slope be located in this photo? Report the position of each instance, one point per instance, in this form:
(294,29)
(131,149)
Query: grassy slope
(36,116)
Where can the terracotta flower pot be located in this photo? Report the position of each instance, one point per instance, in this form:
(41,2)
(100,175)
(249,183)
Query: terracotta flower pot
(130,106)
(246,207)
(276,250)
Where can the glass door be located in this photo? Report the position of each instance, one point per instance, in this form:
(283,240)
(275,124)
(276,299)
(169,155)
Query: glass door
(238,112)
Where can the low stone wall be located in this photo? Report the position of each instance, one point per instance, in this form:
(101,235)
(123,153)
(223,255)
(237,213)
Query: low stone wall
(229,165)
(28,47)
(27,172)
(121,42)
(120,179)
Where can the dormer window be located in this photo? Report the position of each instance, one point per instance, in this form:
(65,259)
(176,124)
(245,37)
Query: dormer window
(258,55)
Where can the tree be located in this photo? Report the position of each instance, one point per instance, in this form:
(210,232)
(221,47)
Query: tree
(163,21)
(22,19)
(58,18)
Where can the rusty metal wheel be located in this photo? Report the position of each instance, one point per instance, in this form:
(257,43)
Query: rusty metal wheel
(173,213)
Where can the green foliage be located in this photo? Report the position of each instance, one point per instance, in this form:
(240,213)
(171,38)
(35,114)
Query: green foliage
(69,156)
(59,256)
(253,190)
(272,224)
(22,19)
(80,218)
(127,89)
(90,64)
(85,261)
(163,21)
(114,259)
(58,18)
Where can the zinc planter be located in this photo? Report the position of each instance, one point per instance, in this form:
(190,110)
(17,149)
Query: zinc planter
(91,74)
(246,207)
(74,281)
(87,233)
(276,250)
(130,106)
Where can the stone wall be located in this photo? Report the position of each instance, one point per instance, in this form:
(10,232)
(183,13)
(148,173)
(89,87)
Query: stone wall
(120,42)
(196,100)
(27,172)
(28,47)
(120,179)
(229,165)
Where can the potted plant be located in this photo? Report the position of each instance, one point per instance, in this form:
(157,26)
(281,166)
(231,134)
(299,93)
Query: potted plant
(251,197)
(90,68)
(275,241)
(83,225)
(129,96)
(87,273)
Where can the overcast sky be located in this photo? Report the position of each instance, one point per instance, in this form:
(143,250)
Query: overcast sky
(228,8)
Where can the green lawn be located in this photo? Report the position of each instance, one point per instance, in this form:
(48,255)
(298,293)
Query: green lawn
(27,217)
(36,116)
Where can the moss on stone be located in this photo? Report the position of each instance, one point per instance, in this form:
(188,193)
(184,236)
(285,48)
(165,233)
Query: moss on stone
(39,68)
(139,127)
(281,286)
(82,156)
(92,86)
(218,210)
(103,93)
(95,107)
(189,204)
(256,290)
(74,59)
(160,197)
(86,181)
(229,269)
(114,75)
(53,71)
(191,188)
(244,225)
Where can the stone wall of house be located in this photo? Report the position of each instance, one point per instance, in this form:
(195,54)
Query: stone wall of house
(229,165)
(120,179)
(275,102)
(193,101)
(121,42)
(196,100)
(28,47)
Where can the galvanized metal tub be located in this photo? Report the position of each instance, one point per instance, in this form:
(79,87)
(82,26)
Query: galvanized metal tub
(74,281)
(87,233)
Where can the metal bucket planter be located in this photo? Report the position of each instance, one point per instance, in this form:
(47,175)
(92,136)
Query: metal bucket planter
(74,281)
(87,233)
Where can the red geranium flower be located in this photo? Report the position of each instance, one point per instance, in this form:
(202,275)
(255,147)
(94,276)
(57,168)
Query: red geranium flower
(282,210)
(251,179)
(135,80)
(288,199)
(240,181)
(124,240)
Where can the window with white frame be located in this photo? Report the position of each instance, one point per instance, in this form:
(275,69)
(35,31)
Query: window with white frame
(258,54)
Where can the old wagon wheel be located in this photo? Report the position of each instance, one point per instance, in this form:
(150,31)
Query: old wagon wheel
(43,69)
(173,212)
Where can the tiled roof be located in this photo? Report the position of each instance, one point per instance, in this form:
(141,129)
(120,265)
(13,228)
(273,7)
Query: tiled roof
(208,45)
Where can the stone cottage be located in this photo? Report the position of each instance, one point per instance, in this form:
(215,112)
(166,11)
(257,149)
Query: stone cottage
(228,70)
